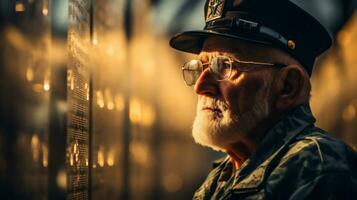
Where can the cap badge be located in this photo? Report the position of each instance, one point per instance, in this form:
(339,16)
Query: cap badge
(214,10)
(291,44)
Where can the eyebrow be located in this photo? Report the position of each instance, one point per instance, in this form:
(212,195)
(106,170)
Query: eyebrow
(210,55)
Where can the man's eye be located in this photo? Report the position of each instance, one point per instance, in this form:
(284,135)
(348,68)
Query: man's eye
(221,66)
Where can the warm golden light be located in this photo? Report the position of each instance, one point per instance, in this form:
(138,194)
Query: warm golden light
(70,79)
(75,148)
(44,155)
(100,157)
(74,154)
(35,147)
(148,115)
(109,99)
(29,74)
(46,84)
(172,182)
(19,7)
(87,91)
(37,88)
(95,38)
(110,158)
(349,113)
(110,105)
(110,51)
(71,159)
(45,11)
(141,113)
(119,102)
(76,157)
(62,179)
(62,106)
(135,111)
(140,153)
(95,41)
(100,99)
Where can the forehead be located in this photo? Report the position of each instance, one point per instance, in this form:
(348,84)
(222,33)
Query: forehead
(236,48)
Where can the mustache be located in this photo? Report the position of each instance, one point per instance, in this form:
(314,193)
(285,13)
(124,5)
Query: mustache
(212,104)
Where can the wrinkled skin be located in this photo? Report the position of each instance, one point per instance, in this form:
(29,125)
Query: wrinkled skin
(262,121)
(296,160)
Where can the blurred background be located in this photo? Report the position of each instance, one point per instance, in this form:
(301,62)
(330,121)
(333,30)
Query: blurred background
(93,104)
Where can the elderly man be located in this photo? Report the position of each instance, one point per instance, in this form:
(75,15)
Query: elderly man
(252,78)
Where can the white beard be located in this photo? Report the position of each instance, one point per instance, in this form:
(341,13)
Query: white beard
(219,130)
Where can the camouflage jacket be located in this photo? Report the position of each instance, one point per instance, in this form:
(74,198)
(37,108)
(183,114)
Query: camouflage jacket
(295,160)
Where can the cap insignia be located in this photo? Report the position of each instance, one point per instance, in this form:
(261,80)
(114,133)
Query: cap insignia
(291,44)
(214,9)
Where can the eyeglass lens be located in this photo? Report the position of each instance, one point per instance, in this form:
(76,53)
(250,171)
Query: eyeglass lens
(220,66)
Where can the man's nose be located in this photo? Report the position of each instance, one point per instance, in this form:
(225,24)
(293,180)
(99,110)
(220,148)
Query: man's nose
(206,84)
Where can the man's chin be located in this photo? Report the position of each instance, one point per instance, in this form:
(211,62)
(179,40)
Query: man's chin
(216,133)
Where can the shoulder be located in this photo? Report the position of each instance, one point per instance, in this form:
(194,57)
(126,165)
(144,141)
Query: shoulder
(319,152)
(314,161)
(330,185)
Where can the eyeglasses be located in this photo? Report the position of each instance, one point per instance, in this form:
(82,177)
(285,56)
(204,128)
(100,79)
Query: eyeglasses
(221,66)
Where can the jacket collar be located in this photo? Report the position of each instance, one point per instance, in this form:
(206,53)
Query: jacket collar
(271,146)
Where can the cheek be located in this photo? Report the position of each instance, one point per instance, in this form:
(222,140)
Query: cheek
(242,95)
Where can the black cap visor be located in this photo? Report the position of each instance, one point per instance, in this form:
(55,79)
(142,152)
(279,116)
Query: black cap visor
(192,41)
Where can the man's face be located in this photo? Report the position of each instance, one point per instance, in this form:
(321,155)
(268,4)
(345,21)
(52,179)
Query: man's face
(230,110)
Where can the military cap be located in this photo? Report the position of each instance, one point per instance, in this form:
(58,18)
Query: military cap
(278,23)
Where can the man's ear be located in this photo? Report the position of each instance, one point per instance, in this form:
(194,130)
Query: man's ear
(289,87)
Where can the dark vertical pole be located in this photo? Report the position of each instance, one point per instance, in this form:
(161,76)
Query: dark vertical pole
(8,123)
(57,123)
(346,9)
(90,131)
(57,133)
(346,13)
(127,128)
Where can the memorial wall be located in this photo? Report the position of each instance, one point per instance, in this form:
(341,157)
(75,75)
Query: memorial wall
(93,105)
